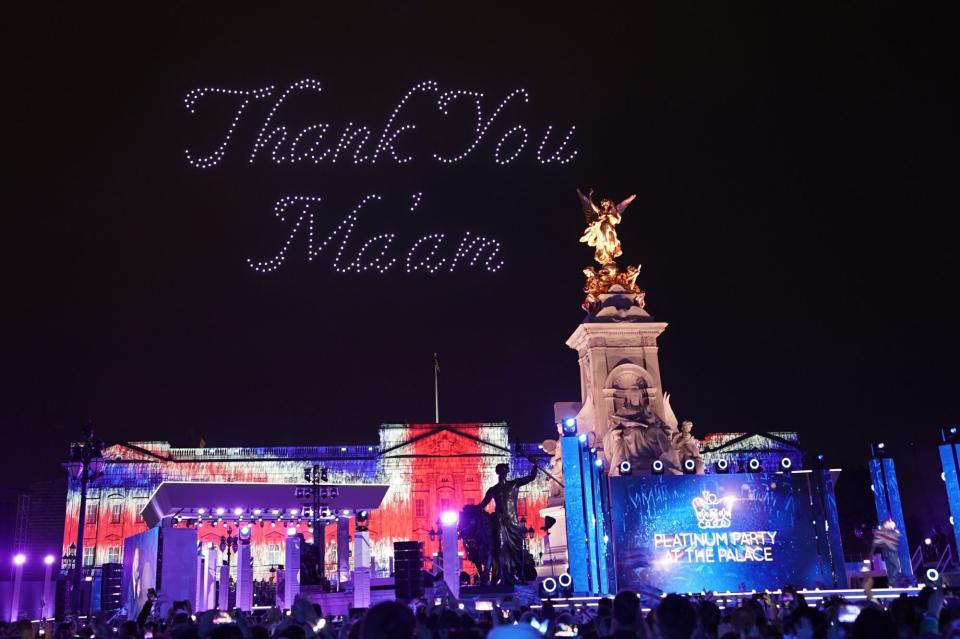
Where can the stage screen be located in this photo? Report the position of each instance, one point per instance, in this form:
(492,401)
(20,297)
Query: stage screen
(734,532)
(139,568)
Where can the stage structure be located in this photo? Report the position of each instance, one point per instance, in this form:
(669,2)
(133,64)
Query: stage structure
(169,556)
(950,461)
(645,504)
(886,498)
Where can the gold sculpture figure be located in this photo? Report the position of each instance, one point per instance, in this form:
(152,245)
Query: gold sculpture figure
(601,234)
(601,231)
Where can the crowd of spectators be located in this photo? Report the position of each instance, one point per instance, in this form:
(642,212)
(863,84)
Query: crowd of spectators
(784,615)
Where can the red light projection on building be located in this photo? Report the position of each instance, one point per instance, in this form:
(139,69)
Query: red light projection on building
(429,467)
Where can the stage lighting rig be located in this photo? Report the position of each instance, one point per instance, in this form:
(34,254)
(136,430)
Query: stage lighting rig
(547,588)
(656,467)
(723,466)
(689,466)
(565,584)
(786,465)
(569,426)
(362,518)
(626,468)
(753,465)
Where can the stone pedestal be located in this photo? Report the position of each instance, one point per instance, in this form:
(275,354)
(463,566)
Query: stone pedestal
(619,371)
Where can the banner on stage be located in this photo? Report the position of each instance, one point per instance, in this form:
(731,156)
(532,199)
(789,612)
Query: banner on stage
(689,533)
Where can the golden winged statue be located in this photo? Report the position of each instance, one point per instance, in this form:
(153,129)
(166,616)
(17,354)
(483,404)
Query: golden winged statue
(601,232)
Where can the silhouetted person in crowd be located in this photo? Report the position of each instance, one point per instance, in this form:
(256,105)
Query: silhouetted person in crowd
(676,618)
(388,620)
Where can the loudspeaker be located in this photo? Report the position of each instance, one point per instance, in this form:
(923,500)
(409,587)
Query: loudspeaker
(407,564)
(111,588)
(60,598)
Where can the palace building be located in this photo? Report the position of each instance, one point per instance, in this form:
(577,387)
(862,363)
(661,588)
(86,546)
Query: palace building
(430,468)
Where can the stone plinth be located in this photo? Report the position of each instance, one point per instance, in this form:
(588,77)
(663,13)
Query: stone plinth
(619,370)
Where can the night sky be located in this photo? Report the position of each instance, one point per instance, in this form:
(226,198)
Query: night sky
(793,177)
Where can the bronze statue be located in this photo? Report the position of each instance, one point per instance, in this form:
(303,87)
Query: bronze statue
(601,222)
(509,555)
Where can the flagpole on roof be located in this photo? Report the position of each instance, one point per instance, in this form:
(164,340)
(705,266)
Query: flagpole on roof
(436,389)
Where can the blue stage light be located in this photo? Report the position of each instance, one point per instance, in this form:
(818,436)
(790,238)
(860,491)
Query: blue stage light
(582,438)
(569,426)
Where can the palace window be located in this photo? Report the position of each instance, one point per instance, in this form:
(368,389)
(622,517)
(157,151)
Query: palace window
(116,513)
(140,508)
(274,554)
(113,555)
(89,556)
(421,511)
(92,513)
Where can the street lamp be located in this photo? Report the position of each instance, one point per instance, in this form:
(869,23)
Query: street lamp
(85,465)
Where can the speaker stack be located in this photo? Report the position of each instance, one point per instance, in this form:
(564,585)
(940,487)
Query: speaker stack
(111,588)
(407,564)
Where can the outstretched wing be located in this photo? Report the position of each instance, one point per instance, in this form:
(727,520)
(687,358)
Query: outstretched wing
(590,210)
(669,417)
(623,205)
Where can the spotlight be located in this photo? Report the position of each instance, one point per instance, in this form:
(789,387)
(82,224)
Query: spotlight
(449,517)
(689,466)
(220,511)
(548,587)
(257,511)
(238,511)
(879,449)
(583,438)
(201,510)
(362,517)
(598,463)
(657,467)
(291,531)
(754,465)
(786,464)
(19,559)
(569,426)
(932,575)
(626,468)
(48,560)
(565,580)
(723,466)
(245,533)
(927,541)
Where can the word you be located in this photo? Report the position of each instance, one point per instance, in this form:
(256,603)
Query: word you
(357,143)
(716,547)
(377,252)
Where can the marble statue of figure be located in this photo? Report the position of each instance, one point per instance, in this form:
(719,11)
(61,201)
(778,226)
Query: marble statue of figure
(687,445)
(601,232)
(508,559)
(641,439)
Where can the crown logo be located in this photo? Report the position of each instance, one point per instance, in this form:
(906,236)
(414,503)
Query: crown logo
(713,512)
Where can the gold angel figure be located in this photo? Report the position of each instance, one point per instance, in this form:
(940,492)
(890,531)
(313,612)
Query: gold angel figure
(601,222)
